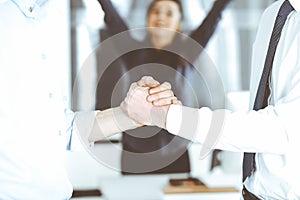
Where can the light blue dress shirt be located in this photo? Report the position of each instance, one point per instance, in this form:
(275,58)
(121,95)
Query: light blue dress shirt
(35,123)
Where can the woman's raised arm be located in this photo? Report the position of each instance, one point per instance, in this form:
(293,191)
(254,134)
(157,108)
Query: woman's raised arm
(112,18)
(207,28)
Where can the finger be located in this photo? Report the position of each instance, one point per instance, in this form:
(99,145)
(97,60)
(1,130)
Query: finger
(160,95)
(176,102)
(133,86)
(164,101)
(160,88)
(147,81)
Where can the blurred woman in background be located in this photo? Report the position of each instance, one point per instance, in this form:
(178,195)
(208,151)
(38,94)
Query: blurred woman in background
(166,55)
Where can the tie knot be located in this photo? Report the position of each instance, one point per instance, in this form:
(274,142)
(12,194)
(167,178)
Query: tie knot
(285,9)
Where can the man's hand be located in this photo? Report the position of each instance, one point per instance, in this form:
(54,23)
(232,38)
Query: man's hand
(159,95)
(148,103)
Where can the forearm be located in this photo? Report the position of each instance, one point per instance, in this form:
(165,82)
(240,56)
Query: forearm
(110,122)
(233,131)
(92,126)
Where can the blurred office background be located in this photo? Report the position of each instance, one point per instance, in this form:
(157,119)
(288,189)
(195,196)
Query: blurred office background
(230,49)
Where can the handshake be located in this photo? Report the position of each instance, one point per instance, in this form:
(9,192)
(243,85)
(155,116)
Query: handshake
(147,103)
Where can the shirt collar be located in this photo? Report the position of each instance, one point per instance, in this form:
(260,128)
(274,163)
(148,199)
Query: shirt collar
(29,8)
(295,4)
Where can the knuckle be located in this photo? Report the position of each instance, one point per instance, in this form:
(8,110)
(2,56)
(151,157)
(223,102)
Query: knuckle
(133,86)
(145,78)
(167,85)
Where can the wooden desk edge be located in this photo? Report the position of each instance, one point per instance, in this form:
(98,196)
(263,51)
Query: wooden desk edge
(197,189)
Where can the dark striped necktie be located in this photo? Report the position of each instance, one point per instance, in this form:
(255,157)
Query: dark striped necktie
(263,92)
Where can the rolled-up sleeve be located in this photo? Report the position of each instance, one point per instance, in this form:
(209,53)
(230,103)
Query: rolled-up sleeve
(80,126)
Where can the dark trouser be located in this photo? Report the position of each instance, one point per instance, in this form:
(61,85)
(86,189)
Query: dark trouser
(248,195)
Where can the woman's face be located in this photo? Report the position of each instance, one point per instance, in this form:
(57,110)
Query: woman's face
(165,14)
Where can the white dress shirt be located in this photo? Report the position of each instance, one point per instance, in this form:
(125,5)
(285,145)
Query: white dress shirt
(272,132)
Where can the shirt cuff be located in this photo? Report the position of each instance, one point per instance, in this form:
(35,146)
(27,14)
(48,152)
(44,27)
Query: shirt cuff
(190,123)
(83,126)
(174,119)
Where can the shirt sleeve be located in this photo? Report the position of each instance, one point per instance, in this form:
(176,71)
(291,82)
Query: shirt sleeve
(233,131)
(204,32)
(79,127)
(117,26)
(113,20)
(92,126)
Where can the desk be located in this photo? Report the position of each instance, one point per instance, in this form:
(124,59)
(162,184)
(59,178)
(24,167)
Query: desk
(149,187)
(86,173)
(203,196)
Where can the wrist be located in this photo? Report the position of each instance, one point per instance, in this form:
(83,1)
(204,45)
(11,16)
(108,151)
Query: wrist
(111,121)
(159,116)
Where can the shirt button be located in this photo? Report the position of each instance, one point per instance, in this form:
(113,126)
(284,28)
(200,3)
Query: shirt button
(43,56)
(30,9)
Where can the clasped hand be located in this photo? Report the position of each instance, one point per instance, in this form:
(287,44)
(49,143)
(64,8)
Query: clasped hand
(147,102)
